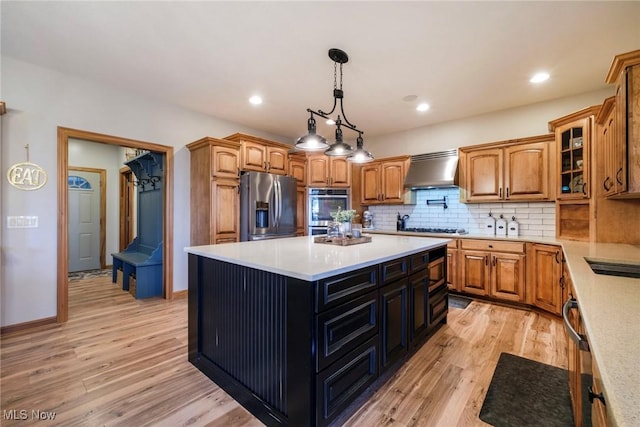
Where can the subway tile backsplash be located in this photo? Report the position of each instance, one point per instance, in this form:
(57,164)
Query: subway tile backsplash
(537,219)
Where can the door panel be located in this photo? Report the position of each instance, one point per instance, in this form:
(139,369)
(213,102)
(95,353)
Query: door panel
(84,220)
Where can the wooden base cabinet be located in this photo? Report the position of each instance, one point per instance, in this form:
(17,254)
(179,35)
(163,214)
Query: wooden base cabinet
(493,268)
(546,282)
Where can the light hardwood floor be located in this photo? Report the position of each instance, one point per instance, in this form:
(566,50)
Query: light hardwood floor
(121,361)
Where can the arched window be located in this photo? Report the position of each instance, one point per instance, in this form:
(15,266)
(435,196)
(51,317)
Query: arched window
(78,183)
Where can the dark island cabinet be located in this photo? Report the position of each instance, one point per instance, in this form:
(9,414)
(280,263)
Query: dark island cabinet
(395,317)
(298,353)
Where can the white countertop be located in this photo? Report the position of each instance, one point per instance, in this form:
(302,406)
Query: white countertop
(610,307)
(301,258)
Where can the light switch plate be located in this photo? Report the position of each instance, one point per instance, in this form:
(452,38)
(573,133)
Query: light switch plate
(22,222)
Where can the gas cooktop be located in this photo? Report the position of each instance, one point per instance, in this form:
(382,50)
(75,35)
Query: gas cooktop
(437,230)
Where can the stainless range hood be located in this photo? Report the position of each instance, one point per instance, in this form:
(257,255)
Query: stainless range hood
(433,170)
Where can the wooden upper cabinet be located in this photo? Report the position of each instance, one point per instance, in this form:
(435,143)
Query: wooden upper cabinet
(574,138)
(527,171)
(516,170)
(484,175)
(298,169)
(225,162)
(318,171)
(625,132)
(382,182)
(261,155)
(370,184)
(606,160)
(327,171)
(277,160)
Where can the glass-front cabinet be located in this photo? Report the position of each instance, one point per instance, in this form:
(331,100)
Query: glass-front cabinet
(574,160)
(574,135)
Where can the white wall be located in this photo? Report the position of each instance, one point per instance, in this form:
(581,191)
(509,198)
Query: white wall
(109,157)
(520,122)
(38,101)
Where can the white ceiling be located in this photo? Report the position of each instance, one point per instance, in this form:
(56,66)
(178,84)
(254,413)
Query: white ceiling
(463,58)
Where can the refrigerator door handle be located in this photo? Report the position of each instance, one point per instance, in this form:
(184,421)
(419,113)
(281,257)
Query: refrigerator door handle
(278,204)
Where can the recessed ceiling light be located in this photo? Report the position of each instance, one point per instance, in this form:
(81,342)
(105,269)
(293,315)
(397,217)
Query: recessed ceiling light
(255,100)
(539,77)
(422,106)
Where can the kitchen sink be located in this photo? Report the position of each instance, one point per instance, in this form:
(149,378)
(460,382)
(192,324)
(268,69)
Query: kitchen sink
(614,268)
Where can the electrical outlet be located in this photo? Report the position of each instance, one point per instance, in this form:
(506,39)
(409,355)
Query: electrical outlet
(22,221)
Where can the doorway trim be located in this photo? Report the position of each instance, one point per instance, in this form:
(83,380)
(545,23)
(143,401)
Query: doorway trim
(126,203)
(103,210)
(64,134)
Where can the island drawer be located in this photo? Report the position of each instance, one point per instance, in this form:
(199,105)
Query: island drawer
(491,245)
(343,328)
(418,261)
(438,307)
(335,290)
(393,270)
(345,380)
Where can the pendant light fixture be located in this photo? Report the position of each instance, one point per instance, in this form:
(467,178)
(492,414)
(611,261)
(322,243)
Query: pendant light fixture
(314,142)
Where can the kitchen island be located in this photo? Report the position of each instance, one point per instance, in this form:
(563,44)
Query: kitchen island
(296,330)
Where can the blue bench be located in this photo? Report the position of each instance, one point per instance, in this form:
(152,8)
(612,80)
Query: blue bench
(142,262)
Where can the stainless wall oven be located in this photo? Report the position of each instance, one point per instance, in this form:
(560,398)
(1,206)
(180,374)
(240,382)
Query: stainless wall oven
(322,202)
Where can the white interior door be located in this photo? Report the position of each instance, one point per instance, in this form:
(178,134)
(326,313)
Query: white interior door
(84,220)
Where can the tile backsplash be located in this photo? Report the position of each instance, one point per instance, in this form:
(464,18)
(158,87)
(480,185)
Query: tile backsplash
(536,219)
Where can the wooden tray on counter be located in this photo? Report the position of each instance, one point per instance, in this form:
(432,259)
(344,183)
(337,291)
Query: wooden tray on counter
(342,241)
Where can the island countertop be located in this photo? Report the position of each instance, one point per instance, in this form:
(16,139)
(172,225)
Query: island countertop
(302,258)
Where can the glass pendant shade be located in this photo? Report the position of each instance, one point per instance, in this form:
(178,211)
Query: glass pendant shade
(311,141)
(360,155)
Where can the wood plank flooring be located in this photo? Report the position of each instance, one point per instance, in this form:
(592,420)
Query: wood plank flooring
(123,362)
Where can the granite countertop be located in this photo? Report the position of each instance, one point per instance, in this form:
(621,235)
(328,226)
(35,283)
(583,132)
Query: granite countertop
(301,258)
(610,308)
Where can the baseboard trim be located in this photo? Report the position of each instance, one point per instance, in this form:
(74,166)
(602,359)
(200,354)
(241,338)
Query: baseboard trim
(20,327)
(180,294)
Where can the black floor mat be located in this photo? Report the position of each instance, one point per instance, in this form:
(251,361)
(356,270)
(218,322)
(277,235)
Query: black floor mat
(524,392)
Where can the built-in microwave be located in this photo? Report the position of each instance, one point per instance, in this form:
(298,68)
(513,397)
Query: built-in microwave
(322,202)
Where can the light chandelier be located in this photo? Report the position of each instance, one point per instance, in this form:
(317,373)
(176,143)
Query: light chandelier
(314,142)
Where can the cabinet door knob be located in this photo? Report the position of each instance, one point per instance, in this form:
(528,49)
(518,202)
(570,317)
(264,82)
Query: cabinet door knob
(604,184)
(494,261)
(507,192)
(500,192)
(486,260)
(556,257)
(584,188)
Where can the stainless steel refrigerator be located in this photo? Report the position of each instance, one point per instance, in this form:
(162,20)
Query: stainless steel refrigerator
(267,206)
